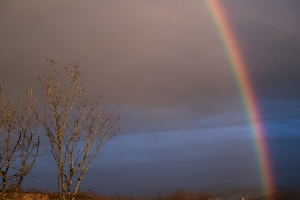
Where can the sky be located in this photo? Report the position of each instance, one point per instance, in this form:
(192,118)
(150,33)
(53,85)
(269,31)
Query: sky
(162,66)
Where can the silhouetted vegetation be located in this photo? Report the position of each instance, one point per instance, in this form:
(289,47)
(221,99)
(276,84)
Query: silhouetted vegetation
(33,194)
(183,195)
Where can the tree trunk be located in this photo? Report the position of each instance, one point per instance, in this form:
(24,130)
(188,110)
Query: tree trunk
(60,172)
(77,185)
(59,187)
(69,191)
(4,187)
(18,186)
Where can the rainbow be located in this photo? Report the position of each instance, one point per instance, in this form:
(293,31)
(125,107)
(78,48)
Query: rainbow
(238,67)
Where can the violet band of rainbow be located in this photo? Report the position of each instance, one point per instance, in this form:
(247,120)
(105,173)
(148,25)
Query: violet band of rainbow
(246,91)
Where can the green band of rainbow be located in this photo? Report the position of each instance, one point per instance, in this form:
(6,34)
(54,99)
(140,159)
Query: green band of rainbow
(238,68)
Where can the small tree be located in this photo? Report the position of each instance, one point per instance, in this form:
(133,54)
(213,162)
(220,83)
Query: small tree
(19,141)
(76,132)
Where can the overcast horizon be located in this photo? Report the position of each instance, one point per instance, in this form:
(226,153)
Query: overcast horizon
(162,66)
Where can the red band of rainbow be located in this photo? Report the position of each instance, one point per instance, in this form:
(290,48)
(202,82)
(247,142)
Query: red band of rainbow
(245,88)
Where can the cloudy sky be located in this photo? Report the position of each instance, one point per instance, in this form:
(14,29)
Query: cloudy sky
(162,66)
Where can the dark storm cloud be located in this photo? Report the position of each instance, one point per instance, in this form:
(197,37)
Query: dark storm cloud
(175,160)
(268,35)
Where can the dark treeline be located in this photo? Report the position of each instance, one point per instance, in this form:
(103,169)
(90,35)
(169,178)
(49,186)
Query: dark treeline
(33,194)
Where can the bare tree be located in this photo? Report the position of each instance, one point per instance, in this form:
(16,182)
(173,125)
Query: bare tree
(20,142)
(89,132)
(76,131)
